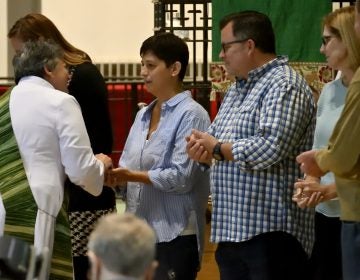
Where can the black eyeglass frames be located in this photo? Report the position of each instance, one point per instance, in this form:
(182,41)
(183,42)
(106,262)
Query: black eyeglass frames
(225,46)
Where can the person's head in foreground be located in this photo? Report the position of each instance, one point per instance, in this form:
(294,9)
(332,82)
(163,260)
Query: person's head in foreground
(122,247)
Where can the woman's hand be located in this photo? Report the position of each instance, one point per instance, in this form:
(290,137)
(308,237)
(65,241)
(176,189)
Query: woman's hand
(309,192)
(116,177)
(310,197)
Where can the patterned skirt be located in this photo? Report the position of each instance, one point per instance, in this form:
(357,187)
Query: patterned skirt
(82,224)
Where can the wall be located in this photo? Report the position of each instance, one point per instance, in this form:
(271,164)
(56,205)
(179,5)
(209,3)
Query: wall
(10,11)
(109,30)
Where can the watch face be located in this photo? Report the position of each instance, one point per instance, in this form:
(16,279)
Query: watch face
(217,152)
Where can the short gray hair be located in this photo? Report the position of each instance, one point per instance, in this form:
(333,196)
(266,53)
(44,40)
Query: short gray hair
(124,243)
(34,56)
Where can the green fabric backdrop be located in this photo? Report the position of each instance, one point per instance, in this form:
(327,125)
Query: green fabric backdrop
(297,24)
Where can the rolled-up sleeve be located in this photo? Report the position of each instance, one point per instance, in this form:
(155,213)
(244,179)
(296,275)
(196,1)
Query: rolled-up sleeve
(177,172)
(283,120)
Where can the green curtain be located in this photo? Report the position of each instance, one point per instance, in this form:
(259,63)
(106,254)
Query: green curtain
(297,24)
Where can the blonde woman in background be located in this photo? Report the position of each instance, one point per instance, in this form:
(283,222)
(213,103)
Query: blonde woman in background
(341,48)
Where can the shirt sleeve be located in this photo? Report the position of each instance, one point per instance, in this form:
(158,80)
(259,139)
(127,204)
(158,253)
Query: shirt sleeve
(178,174)
(342,154)
(77,157)
(286,115)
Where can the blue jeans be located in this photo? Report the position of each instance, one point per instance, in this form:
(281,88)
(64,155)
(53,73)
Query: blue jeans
(350,241)
(268,256)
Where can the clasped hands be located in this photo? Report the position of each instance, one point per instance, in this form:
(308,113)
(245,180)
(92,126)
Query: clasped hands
(113,176)
(200,146)
(308,193)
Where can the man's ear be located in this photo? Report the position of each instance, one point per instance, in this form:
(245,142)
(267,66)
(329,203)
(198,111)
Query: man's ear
(150,271)
(176,67)
(251,46)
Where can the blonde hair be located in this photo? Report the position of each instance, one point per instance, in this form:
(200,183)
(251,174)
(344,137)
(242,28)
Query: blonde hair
(33,27)
(341,24)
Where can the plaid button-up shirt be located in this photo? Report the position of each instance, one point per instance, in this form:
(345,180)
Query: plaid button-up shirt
(270,119)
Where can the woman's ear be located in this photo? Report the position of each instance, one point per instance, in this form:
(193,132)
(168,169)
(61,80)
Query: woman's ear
(47,71)
(49,75)
(176,67)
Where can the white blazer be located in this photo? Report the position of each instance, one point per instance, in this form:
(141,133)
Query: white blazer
(53,141)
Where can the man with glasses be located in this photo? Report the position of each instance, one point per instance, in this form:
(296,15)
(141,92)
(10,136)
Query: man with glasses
(267,118)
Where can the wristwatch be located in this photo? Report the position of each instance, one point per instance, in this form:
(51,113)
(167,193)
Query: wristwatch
(217,154)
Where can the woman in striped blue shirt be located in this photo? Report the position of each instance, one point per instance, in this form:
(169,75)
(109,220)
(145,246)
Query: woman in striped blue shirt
(164,186)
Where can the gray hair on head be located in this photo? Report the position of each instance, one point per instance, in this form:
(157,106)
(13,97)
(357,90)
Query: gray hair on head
(34,57)
(124,243)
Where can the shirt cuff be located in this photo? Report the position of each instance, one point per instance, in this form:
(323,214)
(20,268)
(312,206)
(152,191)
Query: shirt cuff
(321,159)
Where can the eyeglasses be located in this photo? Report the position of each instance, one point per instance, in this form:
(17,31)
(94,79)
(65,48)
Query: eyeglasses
(326,39)
(225,46)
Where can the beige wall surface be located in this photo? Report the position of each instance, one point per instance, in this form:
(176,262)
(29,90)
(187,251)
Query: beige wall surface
(109,30)
(10,11)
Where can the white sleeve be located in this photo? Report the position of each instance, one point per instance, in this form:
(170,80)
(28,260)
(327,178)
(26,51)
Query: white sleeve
(77,157)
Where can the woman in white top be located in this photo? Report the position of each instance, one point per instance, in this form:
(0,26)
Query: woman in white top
(53,143)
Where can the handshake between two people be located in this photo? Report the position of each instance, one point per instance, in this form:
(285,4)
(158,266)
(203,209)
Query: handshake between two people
(199,148)
(113,177)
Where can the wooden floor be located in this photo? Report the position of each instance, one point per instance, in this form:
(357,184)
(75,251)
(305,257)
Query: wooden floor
(209,269)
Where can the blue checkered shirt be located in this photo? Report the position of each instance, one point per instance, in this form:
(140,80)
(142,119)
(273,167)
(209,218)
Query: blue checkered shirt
(270,119)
